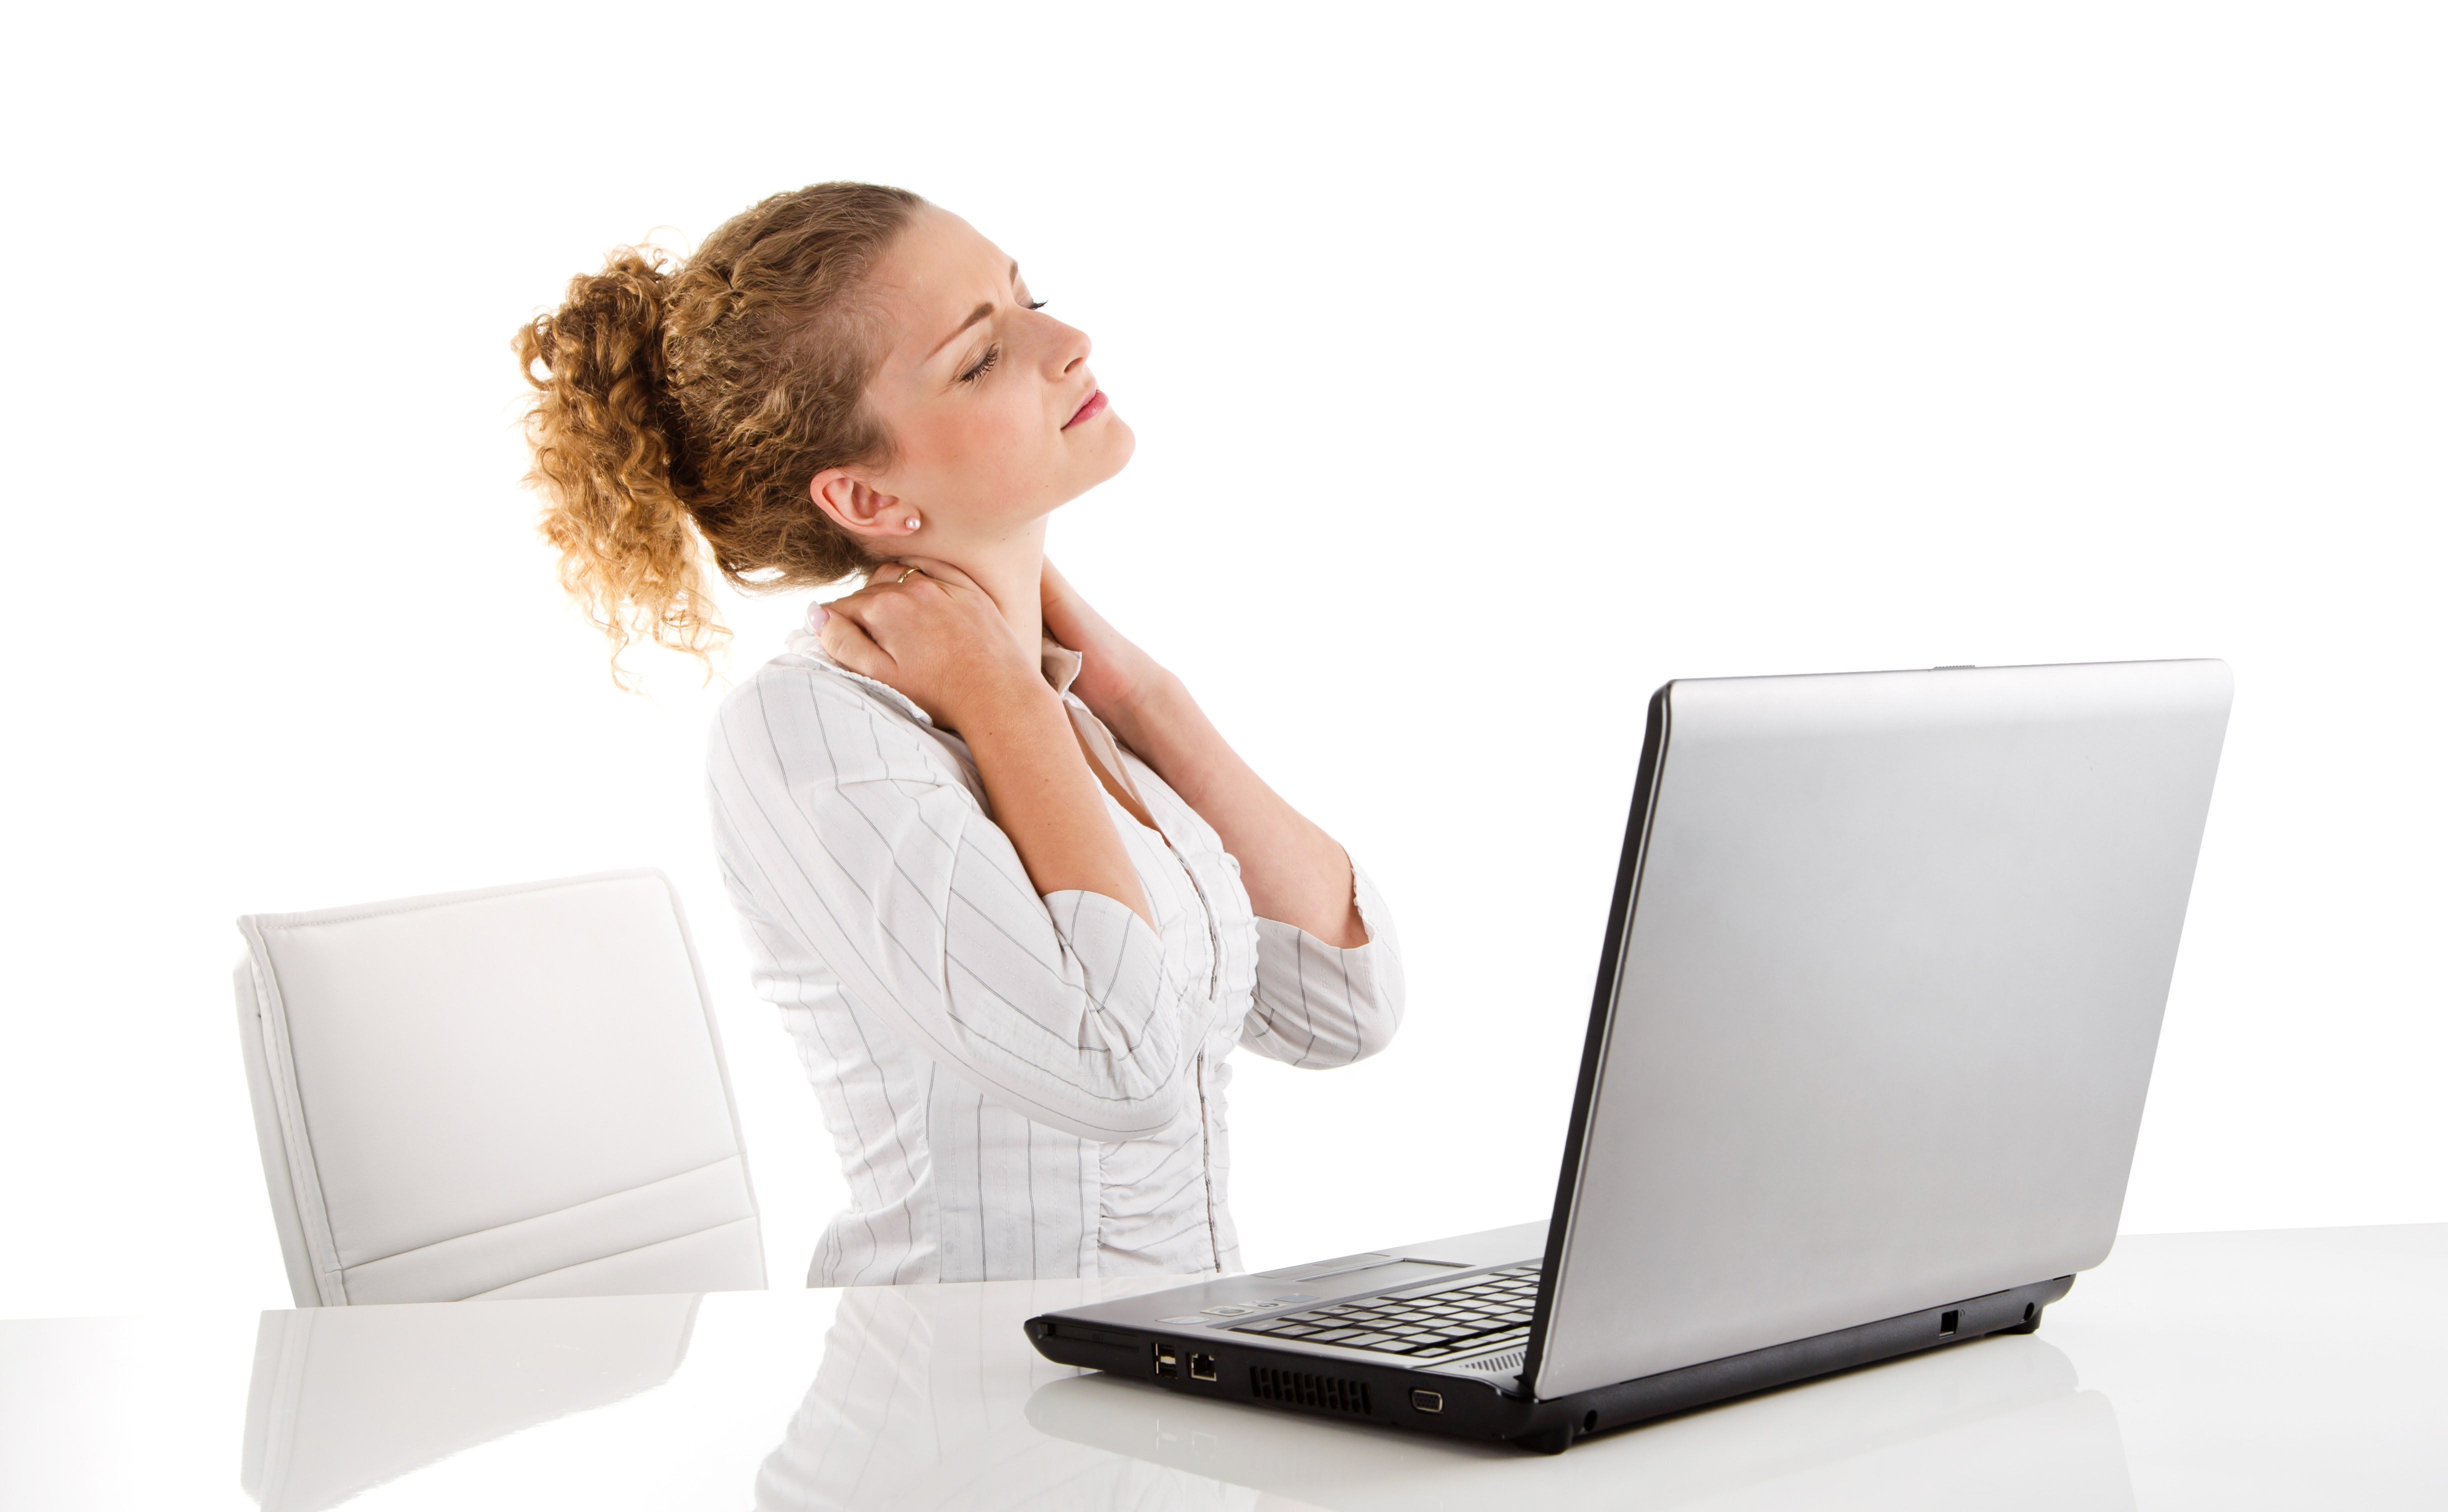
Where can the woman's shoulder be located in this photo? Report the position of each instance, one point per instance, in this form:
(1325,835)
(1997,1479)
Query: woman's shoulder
(804,715)
(804,666)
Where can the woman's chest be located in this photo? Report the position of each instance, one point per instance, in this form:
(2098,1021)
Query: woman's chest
(1192,885)
(1194,889)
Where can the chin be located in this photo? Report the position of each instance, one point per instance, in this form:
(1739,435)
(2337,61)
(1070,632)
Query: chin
(1121,444)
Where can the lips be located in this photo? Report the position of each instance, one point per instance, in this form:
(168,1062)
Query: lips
(1093,407)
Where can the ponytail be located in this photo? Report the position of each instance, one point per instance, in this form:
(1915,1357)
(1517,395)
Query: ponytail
(604,452)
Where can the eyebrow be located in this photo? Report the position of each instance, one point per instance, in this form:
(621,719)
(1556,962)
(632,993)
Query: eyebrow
(975,315)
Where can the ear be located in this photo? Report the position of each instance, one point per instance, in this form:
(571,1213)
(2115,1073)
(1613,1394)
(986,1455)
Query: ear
(857,506)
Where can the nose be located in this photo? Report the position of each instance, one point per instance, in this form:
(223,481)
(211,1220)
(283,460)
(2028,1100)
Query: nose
(1067,350)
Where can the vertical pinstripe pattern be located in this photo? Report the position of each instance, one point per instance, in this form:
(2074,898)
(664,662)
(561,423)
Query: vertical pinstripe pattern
(1016,1087)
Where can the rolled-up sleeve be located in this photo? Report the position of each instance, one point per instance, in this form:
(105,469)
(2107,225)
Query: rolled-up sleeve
(843,830)
(1319,1006)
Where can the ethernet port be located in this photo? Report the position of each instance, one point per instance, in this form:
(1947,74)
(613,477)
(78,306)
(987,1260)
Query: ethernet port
(1203,1368)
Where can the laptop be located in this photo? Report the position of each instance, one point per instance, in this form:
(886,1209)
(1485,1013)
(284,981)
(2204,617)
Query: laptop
(1876,1008)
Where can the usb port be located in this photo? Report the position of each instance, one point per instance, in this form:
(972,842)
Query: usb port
(1428,1400)
(1947,1323)
(1203,1368)
(1167,1363)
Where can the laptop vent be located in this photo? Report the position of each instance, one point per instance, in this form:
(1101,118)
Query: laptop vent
(1497,1363)
(1326,1393)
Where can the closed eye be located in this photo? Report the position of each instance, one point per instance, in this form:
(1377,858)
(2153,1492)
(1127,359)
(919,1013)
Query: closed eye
(993,354)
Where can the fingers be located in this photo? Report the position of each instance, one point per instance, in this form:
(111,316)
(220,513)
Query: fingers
(890,590)
(928,567)
(847,642)
(1053,589)
(893,624)
(894,580)
(1068,615)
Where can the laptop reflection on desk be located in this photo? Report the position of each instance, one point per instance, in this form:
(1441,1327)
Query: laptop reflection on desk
(2000,1424)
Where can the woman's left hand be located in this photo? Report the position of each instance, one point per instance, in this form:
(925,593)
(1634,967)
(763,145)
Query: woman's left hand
(1114,674)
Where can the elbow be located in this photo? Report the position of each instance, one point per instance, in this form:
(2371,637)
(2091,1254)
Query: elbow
(1369,1029)
(1375,1031)
(1380,1009)
(1117,1119)
(1132,1095)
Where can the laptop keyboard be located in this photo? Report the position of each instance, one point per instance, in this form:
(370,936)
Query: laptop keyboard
(1490,1313)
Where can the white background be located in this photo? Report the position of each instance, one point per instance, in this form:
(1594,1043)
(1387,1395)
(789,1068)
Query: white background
(1490,365)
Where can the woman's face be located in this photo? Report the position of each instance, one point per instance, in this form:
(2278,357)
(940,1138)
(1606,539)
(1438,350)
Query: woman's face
(995,418)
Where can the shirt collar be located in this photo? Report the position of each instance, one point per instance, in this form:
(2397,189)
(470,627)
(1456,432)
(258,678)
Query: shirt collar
(1062,664)
(1059,664)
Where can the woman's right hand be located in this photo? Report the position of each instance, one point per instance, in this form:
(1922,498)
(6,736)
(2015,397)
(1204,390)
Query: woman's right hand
(935,638)
(941,643)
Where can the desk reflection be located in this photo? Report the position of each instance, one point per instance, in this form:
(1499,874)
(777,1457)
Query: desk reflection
(1995,1423)
(924,1400)
(931,1397)
(921,1402)
(343,1399)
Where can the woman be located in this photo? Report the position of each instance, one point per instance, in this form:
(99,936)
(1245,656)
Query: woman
(1016,897)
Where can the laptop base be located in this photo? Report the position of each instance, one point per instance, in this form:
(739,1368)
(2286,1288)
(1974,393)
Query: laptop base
(1353,1389)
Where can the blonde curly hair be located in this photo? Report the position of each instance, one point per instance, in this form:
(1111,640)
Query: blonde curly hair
(681,408)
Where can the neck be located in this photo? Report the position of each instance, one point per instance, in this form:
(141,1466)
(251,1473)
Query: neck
(1009,568)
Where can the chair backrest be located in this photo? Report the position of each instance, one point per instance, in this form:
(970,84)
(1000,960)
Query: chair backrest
(513,1092)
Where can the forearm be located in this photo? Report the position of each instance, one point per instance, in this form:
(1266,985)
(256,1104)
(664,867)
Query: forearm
(1049,803)
(1294,870)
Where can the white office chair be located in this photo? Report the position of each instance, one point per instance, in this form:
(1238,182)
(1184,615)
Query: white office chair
(513,1092)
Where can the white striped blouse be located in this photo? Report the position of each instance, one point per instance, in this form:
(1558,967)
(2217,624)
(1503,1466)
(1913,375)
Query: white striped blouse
(1016,1085)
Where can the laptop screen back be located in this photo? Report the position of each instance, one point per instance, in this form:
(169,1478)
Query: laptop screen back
(1878,1011)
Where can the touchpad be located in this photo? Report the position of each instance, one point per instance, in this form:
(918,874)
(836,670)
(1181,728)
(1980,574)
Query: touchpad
(1392,1276)
(1320,1269)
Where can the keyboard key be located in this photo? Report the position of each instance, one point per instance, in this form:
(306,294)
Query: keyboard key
(1488,1312)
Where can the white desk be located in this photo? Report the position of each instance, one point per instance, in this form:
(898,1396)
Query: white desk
(2282,1369)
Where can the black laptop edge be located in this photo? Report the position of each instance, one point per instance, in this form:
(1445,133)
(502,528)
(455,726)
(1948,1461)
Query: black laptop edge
(1360,1390)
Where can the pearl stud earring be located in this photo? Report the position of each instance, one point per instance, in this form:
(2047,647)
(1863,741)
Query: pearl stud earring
(913,521)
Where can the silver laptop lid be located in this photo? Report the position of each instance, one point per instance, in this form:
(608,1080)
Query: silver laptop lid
(1882,988)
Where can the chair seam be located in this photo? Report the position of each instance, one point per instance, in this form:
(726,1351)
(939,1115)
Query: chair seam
(749,1217)
(537,1218)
